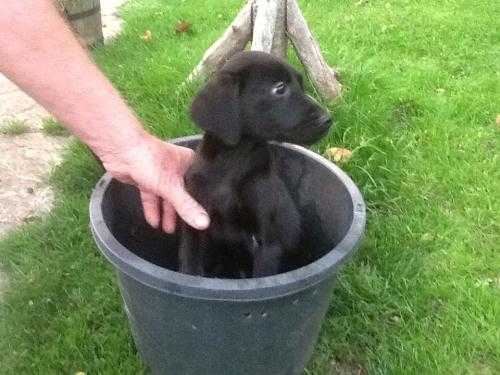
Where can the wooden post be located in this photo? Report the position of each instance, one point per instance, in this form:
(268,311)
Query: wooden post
(270,23)
(84,17)
(234,39)
(309,52)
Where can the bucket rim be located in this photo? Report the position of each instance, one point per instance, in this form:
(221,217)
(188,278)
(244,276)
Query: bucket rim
(198,287)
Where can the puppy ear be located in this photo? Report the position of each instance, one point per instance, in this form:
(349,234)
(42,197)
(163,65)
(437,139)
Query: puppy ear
(215,108)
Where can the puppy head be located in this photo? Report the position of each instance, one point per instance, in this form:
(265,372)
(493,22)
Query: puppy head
(258,96)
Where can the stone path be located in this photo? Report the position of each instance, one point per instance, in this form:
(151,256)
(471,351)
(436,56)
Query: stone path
(111,22)
(15,105)
(25,161)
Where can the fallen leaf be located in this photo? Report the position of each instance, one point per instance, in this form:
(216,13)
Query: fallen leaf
(488,282)
(483,282)
(182,27)
(147,36)
(440,91)
(79,373)
(427,237)
(338,155)
(498,121)
(396,319)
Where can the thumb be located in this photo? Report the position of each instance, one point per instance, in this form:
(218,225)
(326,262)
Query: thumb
(188,209)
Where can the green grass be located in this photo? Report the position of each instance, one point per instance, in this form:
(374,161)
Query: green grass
(422,91)
(53,128)
(14,127)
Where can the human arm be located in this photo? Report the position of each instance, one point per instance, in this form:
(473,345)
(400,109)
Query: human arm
(40,54)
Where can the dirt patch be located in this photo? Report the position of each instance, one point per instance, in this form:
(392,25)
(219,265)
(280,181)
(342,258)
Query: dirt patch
(15,105)
(26,162)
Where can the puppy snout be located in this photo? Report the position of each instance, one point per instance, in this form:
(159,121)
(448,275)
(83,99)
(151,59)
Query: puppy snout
(320,116)
(321,119)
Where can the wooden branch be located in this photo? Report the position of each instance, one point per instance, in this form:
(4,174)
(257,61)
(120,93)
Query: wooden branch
(272,22)
(234,39)
(269,23)
(309,53)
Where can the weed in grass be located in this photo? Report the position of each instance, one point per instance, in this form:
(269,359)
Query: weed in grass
(405,111)
(53,128)
(14,127)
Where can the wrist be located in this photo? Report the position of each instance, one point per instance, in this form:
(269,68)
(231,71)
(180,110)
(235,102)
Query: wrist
(120,139)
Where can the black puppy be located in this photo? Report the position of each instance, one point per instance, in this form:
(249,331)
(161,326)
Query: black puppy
(255,224)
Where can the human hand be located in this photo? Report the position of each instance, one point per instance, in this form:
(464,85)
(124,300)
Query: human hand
(73,89)
(157,168)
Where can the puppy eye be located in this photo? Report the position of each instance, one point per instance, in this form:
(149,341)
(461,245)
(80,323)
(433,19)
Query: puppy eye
(279,88)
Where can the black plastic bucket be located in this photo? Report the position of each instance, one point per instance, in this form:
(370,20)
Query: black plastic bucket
(192,325)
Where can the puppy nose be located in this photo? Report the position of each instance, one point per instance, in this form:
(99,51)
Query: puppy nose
(325,120)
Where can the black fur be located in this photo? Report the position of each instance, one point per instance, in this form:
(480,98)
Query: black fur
(255,224)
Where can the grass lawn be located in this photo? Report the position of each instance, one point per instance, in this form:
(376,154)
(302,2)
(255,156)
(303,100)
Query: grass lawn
(422,92)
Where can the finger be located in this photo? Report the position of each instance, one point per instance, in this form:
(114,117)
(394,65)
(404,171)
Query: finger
(168,217)
(123,178)
(188,209)
(151,207)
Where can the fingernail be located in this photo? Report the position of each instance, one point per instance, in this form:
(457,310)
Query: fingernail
(153,222)
(201,221)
